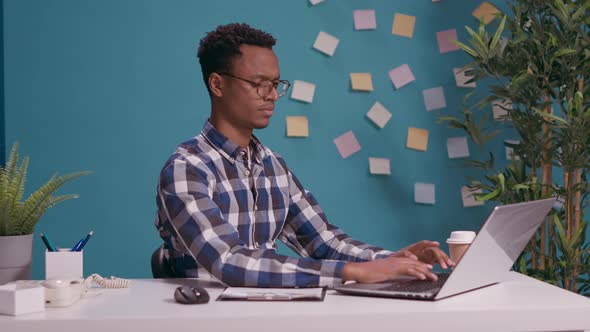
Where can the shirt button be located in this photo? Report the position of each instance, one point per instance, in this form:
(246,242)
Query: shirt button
(247,172)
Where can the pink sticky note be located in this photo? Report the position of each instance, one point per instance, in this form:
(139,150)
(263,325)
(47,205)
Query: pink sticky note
(444,38)
(401,76)
(364,19)
(347,144)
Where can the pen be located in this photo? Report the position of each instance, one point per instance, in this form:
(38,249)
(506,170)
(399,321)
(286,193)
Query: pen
(48,244)
(81,245)
(76,245)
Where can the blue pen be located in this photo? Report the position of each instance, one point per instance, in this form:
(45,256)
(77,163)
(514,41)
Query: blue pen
(76,245)
(81,245)
(48,243)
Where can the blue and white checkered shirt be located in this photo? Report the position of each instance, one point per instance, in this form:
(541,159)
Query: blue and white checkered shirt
(224,212)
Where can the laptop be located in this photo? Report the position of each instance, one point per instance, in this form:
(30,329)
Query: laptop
(501,239)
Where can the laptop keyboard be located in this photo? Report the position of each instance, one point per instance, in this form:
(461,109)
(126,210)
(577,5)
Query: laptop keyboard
(417,286)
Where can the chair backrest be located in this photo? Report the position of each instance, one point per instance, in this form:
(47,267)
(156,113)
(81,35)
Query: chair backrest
(160,265)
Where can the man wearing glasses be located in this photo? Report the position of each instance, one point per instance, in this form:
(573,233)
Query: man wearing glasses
(224,198)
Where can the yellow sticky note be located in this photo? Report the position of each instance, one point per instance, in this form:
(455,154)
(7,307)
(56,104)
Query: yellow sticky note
(417,139)
(297,126)
(403,25)
(361,81)
(486,11)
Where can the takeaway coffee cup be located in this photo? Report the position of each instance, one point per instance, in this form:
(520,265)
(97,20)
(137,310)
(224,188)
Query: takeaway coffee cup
(458,242)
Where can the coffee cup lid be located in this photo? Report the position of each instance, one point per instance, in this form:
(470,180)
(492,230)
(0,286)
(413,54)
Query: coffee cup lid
(461,237)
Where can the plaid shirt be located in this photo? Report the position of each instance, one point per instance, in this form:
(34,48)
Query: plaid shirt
(225,211)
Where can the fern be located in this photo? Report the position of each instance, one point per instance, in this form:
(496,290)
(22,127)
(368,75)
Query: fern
(18,217)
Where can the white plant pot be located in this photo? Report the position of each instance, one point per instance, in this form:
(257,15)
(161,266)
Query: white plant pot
(15,257)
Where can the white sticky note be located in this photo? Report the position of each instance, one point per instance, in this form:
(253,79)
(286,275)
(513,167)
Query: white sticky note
(315,2)
(445,40)
(500,109)
(461,78)
(326,43)
(457,147)
(364,19)
(401,76)
(434,99)
(379,115)
(424,193)
(303,91)
(347,144)
(510,151)
(468,198)
(559,202)
(503,43)
(379,166)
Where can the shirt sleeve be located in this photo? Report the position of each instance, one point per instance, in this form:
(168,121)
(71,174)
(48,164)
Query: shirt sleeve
(308,232)
(198,228)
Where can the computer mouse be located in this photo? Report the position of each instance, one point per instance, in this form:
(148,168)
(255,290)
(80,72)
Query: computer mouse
(191,295)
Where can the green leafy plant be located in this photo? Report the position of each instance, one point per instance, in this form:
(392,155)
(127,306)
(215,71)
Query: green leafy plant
(539,73)
(19,217)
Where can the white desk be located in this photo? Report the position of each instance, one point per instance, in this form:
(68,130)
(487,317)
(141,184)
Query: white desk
(520,304)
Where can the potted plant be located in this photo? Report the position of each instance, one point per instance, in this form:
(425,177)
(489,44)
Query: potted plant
(18,218)
(540,79)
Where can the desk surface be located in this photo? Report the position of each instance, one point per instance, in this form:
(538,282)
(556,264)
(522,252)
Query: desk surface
(519,304)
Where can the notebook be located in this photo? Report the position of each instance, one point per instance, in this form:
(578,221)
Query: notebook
(486,262)
(272,294)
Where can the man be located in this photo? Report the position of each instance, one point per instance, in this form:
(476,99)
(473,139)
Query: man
(224,198)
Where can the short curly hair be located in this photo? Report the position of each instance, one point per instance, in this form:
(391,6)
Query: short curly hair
(220,46)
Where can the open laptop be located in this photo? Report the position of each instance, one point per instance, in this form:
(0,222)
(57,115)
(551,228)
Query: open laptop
(492,253)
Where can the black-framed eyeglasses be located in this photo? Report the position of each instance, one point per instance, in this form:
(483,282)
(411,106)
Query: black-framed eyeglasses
(265,87)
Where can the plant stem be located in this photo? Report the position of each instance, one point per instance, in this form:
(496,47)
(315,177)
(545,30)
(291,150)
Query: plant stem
(546,177)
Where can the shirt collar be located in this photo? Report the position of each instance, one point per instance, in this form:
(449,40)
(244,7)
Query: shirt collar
(228,149)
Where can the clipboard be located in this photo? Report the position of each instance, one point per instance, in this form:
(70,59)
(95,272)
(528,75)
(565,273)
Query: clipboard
(272,294)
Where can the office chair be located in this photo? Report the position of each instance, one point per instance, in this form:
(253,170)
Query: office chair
(160,265)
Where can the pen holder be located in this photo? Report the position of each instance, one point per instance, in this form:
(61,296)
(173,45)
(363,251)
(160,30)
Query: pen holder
(64,263)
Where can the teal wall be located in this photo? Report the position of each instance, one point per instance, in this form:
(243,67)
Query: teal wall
(113,86)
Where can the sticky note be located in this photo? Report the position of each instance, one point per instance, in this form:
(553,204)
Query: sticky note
(485,11)
(347,144)
(379,115)
(500,109)
(365,19)
(403,25)
(434,98)
(361,81)
(559,202)
(401,76)
(510,151)
(417,139)
(424,193)
(445,38)
(503,42)
(461,78)
(315,2)
(326,43)
(379,166)
(297,126)
(303,91)
(457,147)
(468,197)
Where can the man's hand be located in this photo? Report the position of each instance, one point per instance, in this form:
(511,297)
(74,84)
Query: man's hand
(387,268)
(427,252)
